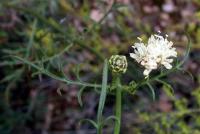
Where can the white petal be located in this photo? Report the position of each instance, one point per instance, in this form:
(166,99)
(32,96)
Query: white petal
(146,72)
(134,56)
(167,65)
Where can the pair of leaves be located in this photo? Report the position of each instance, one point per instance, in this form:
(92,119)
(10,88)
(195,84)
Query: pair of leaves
(94,124)
(100,122)
(102,97)
(101,100)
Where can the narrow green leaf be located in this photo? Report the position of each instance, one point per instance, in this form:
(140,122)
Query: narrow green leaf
(96,89)
(77,72)
(190,74)
(11,76)
(186,55)
(103,92)
(90,121)
(152,90)
(35,73)
(111,118)
(187,72)
(79,96)
(31,39)
(167,88)
(63,74)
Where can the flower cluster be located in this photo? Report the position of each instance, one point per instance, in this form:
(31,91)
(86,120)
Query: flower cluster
(118,63)
(158,51)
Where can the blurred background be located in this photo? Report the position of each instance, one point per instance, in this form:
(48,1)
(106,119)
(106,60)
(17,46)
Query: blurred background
(74,36)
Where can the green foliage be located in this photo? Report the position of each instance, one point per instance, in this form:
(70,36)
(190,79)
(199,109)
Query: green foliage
(152,91)
(167,88)
(53,49)
(102,98)
(94,124)
(79,96)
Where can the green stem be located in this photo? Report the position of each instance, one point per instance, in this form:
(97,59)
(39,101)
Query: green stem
(99,130)
(118,106)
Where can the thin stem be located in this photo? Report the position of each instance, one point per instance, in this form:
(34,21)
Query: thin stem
(46,72)
(144,82)
(99,130)
(118,106)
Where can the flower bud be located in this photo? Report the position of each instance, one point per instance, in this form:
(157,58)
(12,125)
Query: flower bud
(118,63)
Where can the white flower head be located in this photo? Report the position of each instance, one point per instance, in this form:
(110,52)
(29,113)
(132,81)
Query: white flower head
(158,51)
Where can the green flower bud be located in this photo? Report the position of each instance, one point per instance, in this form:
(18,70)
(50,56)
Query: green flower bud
(132,87)
(118,63)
